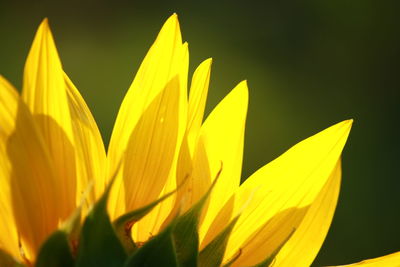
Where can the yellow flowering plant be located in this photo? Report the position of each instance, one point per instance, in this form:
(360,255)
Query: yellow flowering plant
(167,192)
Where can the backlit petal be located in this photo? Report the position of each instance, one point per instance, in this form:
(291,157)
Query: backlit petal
(151,123)
(280,194)
(45,94)
(197,100)
(302,248)
(221,138)
(27,164)
(152,223)
(8,108)
(89,147)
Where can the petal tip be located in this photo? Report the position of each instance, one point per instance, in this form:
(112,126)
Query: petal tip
(173,18)
(45,24)
(207,62)
(348,124)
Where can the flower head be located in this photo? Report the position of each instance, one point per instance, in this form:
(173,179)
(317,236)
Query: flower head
(51,151)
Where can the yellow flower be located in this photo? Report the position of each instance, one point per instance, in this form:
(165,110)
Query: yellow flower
(51,151)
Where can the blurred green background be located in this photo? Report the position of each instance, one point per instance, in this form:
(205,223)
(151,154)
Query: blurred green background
(309,64)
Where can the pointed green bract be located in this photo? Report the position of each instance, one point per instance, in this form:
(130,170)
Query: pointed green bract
(186,237)
(124,223)
(213,253)
(158,251)
(55,252)
(99,245)
(185,234)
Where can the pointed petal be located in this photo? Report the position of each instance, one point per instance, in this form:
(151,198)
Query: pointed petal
(391,260)
(280,194)
(26,163)
(197,100)
(154,221)
(8,107)
(158,67)
(196,106)
(45,94)
(150,123)
(89,147)
(302,248)
(222,136)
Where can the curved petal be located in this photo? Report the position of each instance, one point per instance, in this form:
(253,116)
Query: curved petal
(391,260)
(89,147)
(280,194)
(8,107)
(197,100)
(302,248)
(151,122)
(45,94)
(151,224)
(222,138)
(25,161)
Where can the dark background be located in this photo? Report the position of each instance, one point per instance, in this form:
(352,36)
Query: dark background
(309,64)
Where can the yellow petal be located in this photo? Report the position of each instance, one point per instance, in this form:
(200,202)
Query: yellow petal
(302,248)
(89,147)
(27,164)
(154,221)
(8,108)
(150,123)
(221,138)
(45,94)
(197,100)
(280,194)
(391,260)
(196,106)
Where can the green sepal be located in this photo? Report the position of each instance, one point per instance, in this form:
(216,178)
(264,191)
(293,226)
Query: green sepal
(156,252)
(270,259)
(99,245)
(55,251)
(186,237)
(124,223)
(213,253)
(6,260)
(185,233)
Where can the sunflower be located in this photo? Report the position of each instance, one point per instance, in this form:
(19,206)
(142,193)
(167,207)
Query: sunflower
(167,175)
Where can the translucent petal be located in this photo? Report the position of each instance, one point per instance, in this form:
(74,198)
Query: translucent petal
(197,100)
(8,108)
(275,199)
(151,123)
(221,145)
(302,248)
(196,106)
(26,163)
(89,147)
(45,94)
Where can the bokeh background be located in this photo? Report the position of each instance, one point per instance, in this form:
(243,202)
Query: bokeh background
(309,64)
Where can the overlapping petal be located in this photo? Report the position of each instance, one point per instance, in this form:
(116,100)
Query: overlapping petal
(27,176)
(53,135)
(8,110)
(280,194)
(221,146)
(158,141)
(89,147)
(150,125)
(44,92)
(302,248)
